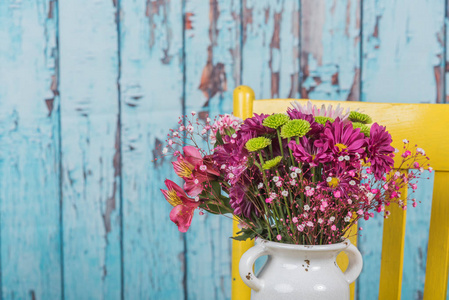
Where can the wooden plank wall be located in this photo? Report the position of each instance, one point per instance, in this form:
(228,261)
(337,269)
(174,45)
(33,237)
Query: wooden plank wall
(88,90)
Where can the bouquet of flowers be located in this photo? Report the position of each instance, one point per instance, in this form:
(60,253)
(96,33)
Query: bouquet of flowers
(303,177)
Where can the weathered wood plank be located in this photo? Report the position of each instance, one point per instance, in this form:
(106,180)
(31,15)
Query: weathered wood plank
(402,62)
(416,240)
(446,63)
(90,149)
(370,245)
(438,250)
(151,92)
(393,240)
(270,49)
(212,49)
(330,49)
(403,51)
(29,151)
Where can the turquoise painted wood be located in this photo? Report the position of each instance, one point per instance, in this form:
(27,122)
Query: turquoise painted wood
(409,63)
(330,49)
(29,151)
(151,89)
(271,47)
(212,70)
(88,90)
(90,149)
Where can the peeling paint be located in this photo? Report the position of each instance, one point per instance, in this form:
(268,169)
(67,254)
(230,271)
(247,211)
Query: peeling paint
(213,78)
(153,9)
(330,46)
(54,89)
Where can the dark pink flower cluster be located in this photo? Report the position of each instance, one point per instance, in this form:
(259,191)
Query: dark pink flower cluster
(307,184)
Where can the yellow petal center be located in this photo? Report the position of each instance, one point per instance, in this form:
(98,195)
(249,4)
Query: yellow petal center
(184,171)
(341,146)
(333,182)
(173,198)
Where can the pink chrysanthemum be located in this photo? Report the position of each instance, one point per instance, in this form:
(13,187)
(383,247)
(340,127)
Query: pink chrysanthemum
(305,151)
(342,140)
(329,112)
(380,151)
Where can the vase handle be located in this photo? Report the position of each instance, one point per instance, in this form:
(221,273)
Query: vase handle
(355,263)
(246,266)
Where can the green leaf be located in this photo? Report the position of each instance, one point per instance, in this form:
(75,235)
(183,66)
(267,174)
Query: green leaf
(245,234)
(216,189)
(219,139)
(215,209)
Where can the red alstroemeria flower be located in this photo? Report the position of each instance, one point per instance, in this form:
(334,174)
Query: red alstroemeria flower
(194,169)
(183,206)
(186,163)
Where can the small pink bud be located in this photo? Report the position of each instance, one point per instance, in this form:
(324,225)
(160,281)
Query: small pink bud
(278,237)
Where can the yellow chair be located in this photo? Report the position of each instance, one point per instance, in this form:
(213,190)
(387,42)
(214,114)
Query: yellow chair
(424,124)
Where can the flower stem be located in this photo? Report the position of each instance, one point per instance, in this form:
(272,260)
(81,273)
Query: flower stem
(280,143)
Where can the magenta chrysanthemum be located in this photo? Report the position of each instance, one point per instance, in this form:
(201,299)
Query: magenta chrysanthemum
(329,112)
(305,151)
(341,139)
(380,151)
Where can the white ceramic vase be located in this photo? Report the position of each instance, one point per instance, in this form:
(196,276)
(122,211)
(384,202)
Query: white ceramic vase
(298,272)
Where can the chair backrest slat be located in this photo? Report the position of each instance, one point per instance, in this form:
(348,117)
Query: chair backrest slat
(243,108)
(424,124)
(437,266)
(393,252)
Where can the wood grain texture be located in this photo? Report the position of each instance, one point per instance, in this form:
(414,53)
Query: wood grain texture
(446,63)
(402,61)
(403,51)
(151,101)
(243,99)
(438,250)
(212,62)
(90,149)
(330,49)
(416,240)
(393,241)
(29,151)
(270,49)
(370,245)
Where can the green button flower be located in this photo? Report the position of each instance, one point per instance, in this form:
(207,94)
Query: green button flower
(269,164)
(258,143)
(322,120)
(275,121)
(363,128)
(355,116)
(295,128)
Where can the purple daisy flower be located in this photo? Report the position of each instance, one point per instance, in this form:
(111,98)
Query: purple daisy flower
(305,151)
(341,139)
(380,151)
(252,127)
(239,203)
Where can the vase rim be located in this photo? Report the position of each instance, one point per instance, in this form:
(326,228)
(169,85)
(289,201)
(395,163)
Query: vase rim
(338,246)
